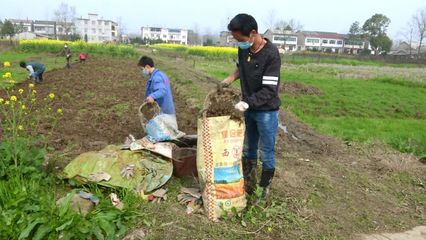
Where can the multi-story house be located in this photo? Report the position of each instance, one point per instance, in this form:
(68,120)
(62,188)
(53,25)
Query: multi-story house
(170,35)
(95,29)
(283,39)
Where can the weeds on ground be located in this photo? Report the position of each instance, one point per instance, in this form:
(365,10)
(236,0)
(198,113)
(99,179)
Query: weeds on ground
(28,206)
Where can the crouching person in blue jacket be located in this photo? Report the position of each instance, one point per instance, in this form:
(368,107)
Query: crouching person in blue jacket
(36,70)
(158,86)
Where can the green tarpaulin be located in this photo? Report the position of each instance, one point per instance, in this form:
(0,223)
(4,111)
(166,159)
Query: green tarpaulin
(150,172)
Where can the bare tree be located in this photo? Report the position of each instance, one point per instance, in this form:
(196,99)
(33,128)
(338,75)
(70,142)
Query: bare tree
(194,37)
(288,25)
(408,34)
(65,16)
(419,22)
(271,19)
(121,29)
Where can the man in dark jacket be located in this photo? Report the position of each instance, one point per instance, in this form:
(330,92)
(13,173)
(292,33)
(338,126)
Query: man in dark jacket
(258,69)
(36,70)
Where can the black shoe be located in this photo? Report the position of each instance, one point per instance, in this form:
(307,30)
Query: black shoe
(265,182)
(250,176)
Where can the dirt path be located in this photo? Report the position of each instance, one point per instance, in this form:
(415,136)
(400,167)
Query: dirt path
(417,233)
(332,188)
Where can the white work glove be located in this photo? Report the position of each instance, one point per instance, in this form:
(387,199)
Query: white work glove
(241,106)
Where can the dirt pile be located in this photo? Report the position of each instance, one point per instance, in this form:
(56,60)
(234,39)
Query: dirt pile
(221,102)
(297,89)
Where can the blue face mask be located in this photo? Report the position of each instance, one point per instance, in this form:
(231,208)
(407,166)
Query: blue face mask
(145,73)
(245,45)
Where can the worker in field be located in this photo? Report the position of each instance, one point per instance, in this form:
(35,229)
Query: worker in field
(158,86)
(83,57)
(258,68)
(66,51)
(35,69)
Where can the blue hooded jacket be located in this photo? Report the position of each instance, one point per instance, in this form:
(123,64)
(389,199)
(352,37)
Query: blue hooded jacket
(158,87)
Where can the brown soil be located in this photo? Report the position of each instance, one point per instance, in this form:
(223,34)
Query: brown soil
(297,89)
(100,101)
(149,110)
(221,103)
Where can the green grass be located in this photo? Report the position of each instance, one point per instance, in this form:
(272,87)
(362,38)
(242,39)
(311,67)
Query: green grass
(387,109)
(330,60)
(20,74)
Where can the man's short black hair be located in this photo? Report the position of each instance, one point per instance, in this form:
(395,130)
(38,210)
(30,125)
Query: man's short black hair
(22,64)
(146,61)
(243,23)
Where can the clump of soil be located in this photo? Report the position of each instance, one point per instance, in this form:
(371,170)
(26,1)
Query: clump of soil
(297,89)
(147,111)
(221,103)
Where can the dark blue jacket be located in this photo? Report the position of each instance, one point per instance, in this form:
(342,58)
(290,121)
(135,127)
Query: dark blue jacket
(158,87)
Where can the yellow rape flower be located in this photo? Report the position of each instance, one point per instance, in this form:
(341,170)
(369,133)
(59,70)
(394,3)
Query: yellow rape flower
(6,64)
(21,91)
(7,103)
(20,127)
(34,91)
(23,107)
(7,75)
(31,85)
(59,111)
(51,96)
(13,98)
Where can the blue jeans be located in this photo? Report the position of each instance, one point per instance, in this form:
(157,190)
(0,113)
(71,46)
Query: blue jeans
(261,132)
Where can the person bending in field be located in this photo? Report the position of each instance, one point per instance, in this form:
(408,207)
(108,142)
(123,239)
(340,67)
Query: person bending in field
(157,87)
(83,57)
(66,51)
(258,68)
(36,70)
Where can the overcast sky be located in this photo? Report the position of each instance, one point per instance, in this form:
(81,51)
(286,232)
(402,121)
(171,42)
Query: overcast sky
(212,16)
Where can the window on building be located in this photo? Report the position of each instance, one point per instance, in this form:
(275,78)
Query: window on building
(93,30)
(284,38)
(164,36)
(113,34)
(325,41)
(312,40)
(332,41)
(86,22)
(340,42)
(183,36)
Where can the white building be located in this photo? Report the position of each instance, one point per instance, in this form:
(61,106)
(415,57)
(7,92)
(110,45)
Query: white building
(286,40)
(170,35)
(95,29)
(322,41)
(46,29)
(227,40)
(24,25)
